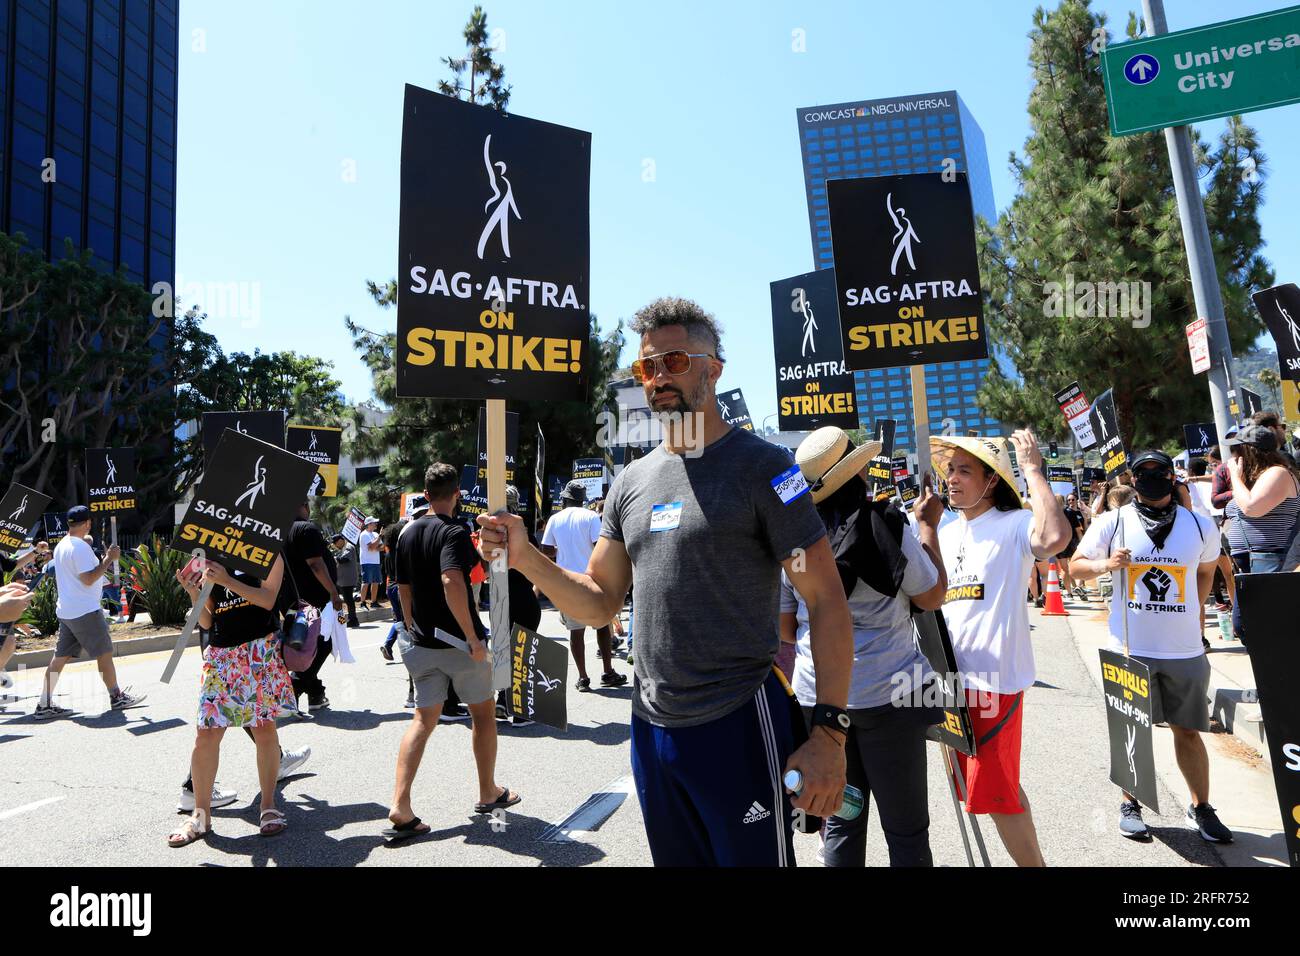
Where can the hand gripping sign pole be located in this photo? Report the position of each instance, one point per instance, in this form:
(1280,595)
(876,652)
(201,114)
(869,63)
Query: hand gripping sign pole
(498,576)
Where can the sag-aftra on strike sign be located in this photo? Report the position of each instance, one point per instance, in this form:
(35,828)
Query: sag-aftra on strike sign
(906,273)
(493,286)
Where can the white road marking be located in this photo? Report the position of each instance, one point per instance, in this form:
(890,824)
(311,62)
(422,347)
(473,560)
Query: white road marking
(6,814)
(594,811)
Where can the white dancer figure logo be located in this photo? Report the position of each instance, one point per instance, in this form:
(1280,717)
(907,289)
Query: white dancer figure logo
(112,470)
(1131,734)
(547,683)
(809,327)
(1292,325)
(255,487)
(903,236)
(18,512)
(1101,421)
(315,488)
(724,408)
(312,446)
(505,203)
(1205,439)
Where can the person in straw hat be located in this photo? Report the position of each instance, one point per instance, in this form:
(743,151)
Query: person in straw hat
(885,566)
(988,554)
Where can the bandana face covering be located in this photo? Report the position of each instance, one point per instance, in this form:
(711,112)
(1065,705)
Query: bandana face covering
(1157,522)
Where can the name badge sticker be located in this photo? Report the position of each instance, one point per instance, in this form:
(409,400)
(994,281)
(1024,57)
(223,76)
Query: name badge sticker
(790,484)
(666,517)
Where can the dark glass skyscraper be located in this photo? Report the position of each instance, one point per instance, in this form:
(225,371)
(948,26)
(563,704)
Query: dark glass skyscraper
(908,134)
(88,117)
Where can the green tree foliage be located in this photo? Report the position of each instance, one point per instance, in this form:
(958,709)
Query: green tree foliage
(86,363)
(1100,209)
(476,76)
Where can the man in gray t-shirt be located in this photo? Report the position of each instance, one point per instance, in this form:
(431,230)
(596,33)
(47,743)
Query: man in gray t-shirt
(703,526)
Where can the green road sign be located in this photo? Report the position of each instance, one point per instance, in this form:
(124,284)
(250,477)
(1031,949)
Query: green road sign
(1232,67)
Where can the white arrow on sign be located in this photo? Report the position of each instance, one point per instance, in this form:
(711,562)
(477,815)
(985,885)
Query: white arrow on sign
(1142,68)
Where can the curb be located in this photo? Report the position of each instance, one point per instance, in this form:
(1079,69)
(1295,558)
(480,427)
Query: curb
(125,647)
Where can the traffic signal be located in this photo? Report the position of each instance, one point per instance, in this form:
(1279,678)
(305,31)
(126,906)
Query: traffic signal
(1051,450)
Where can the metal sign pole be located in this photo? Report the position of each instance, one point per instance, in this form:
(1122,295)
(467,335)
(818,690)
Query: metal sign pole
(498,579)
(183,641)
(974,822)
(920,424)
(1123,577)
(956,801)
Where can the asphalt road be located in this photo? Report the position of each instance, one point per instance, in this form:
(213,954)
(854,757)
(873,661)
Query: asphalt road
(100,788)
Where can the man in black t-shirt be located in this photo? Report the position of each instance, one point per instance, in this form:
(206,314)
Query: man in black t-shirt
(443,640)
(309,576)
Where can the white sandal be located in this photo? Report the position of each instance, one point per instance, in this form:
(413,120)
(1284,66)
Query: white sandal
(277,823)
(190,832)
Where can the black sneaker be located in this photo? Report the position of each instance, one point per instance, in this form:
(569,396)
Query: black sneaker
(612,679)
(1130,821)
(520,721)
(386,652)
(1205,642)
(502,713)
(125,700)
(50,711)
(452,716)
(1203,819)
(320,703)
(583,685)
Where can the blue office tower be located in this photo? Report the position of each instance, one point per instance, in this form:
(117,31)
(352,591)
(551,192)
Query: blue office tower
(909,134)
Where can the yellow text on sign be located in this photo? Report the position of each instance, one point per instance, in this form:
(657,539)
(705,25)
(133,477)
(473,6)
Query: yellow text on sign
(913,329)
(834,403)
(450,348)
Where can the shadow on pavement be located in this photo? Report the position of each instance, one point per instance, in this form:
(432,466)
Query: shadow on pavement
(348,719)
(1188,844)
(606,735)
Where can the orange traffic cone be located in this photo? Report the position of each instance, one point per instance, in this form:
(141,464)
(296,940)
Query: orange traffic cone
(125,605)
(1054,606)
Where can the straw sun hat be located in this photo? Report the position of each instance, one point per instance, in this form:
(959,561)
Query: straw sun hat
(828,459)
(992,451)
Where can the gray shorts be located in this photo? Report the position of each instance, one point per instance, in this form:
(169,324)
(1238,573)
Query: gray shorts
(573,625)
(1178,691)
(88,634)
(433,670)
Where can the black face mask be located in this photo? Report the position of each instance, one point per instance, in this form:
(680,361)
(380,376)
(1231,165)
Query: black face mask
(1153,484)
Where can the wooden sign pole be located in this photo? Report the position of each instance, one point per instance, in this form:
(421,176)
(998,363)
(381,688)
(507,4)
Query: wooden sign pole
(498,581)
(920,424)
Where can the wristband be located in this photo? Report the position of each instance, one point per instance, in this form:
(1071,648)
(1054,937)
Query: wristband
(832,718)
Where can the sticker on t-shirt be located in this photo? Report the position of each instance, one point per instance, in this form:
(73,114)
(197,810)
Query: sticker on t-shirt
(965,592)
(1159,588)
(666,517)
(790,484)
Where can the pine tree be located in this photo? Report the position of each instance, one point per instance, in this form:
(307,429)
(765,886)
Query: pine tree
(1101,209)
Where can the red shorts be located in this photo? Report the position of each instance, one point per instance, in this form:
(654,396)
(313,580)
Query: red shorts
(993,774)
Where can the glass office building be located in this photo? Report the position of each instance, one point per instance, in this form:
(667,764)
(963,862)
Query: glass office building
(909,134)
(88,94)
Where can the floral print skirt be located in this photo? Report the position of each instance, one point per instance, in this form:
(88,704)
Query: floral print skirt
(245,686)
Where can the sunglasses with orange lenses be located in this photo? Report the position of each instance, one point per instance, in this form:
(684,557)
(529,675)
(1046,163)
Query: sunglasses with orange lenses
(676,362)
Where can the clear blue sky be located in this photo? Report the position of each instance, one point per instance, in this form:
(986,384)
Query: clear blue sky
(287,91)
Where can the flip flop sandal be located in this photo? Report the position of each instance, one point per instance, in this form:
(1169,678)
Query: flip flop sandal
(506,799)
(404,831)
(189,833)
(277,824)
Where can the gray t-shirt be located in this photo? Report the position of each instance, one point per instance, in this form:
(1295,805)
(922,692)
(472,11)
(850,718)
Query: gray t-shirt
(706,576)
(886,661)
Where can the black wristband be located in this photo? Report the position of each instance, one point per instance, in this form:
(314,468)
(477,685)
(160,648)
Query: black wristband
(833,718)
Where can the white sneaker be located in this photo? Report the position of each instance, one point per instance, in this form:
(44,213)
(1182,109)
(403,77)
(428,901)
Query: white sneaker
(6,680)
(290,761)
(220,798)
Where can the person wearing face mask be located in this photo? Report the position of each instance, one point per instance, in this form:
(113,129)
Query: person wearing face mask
(988,554)
(1170,553)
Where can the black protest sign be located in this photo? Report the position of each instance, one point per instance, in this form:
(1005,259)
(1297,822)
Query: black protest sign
(1268,617)
(553,489)
(899,466)
(243,508)
(591,472)
(1200,438)
(1061,478)
(734,411)
(1093,474)
(512,444)
(906,274)
(1280,307)
(321,445)
(354,525)
(539,670)
(1074,406)
(1105,425)
(264,426)
(909,489)
(55,525)
(881,468)
(1127,685)
(20,510)
(814,387)
(110,480)
(1253,402)
(493,254)
(473,495)
(956,731)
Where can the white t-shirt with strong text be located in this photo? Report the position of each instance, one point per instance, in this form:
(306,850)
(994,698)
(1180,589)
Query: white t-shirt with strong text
(363,543)
(72,556)
(988,561)
(572,532)
(1163,603)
